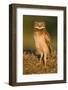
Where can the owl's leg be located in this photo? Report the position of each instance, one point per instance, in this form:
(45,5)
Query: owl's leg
(41,56)
(45,59)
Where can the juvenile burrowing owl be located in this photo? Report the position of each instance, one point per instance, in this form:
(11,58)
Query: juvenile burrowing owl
(42,40)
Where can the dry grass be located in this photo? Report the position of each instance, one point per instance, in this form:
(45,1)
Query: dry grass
(32,65)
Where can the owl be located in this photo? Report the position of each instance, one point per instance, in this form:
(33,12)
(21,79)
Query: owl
(42,40)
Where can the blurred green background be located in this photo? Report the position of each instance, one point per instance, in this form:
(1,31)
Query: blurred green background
(51,25)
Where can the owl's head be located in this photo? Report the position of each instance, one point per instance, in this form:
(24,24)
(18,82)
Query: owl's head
(39,25)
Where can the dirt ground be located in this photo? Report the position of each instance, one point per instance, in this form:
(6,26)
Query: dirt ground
(32,64)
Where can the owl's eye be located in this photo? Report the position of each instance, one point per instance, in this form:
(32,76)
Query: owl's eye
(43,24)
(35,24)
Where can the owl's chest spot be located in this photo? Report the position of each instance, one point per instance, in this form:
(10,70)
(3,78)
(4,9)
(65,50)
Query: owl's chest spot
(39,39)
(39,36)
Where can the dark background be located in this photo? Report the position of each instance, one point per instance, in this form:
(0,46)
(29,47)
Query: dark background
(51,25)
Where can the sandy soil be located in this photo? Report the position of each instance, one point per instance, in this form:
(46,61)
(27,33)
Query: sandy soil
(32,65)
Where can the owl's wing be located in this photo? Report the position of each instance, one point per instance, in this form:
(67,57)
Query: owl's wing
(48,41)
(47,37)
